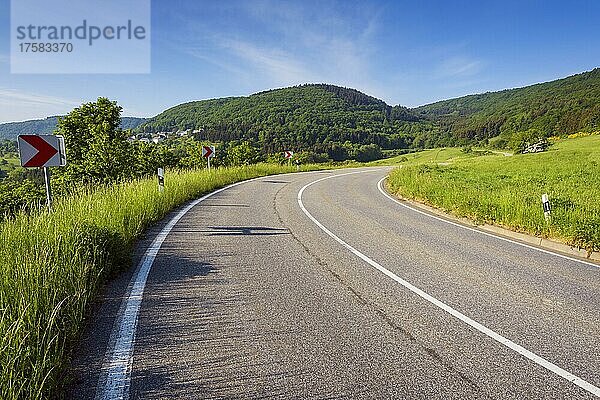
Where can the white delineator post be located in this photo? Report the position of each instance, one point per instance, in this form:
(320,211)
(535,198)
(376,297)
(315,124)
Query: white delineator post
(546,205)
(161,179)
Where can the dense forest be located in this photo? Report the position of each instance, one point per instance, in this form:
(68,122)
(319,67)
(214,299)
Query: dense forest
(322,118)
(335,122)
(554,108)
(309,117)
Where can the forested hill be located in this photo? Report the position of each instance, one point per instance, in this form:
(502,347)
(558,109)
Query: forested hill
(300,117)
(318,116)
(10,130)
(322,118)
(559,107)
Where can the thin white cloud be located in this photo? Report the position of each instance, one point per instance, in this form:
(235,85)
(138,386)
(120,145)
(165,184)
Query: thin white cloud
(202,55)
(13,96)
(4,59)
(16,105)
(297,44)
(458,67)
(280,65)
(327,42)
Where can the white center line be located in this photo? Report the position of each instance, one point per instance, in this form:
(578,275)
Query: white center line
(474,324)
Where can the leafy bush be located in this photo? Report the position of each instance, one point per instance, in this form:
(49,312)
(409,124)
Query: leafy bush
(369,152)
(521,140)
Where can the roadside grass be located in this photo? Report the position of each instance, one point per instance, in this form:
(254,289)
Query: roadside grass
(52,264)
(507,191)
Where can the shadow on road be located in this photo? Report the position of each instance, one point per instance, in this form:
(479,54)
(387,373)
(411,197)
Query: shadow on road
(274,181)
(245,230)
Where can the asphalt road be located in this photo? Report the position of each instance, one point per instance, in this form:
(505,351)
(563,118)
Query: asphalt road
(249,298)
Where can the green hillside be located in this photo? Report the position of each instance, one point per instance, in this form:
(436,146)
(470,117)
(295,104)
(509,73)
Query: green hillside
(335,120)
(554,108)
(320,117)
(493,188)
(315,117)
(10,130)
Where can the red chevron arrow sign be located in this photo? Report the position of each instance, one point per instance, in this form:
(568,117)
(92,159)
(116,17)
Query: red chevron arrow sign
(288,154)
(208,151)
(41,151)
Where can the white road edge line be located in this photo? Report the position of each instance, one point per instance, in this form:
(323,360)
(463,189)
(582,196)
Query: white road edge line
(481,328)
(380,187)
(115,374)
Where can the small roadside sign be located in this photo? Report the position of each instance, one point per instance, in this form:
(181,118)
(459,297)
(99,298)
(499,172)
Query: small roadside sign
(208,151)
(42,151)
(288,154)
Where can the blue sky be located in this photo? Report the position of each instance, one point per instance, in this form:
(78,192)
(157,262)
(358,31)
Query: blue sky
(408,53)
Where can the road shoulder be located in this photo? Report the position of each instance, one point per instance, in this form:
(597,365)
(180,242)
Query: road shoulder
(524,238)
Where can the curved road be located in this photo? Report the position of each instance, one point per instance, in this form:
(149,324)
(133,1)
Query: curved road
(341,292)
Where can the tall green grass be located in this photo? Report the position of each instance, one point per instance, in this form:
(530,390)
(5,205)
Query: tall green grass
(507,190)
(11,163)
(51,265)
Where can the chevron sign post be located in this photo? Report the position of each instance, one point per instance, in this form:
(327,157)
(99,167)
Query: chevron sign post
(288,156)
(208,152)
(42,151)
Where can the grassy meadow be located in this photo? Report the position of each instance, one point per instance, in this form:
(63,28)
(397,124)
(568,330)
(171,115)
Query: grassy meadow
(8,162)
(52,263)
(506,191)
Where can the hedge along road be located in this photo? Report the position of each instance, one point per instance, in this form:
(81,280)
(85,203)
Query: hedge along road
(261,290)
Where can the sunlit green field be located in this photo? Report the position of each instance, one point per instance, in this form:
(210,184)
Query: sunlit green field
(51,265)
(8,163)
(507,190)
(433,155)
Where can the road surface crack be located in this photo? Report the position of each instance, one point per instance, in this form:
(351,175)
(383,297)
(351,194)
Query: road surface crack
(432,353)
